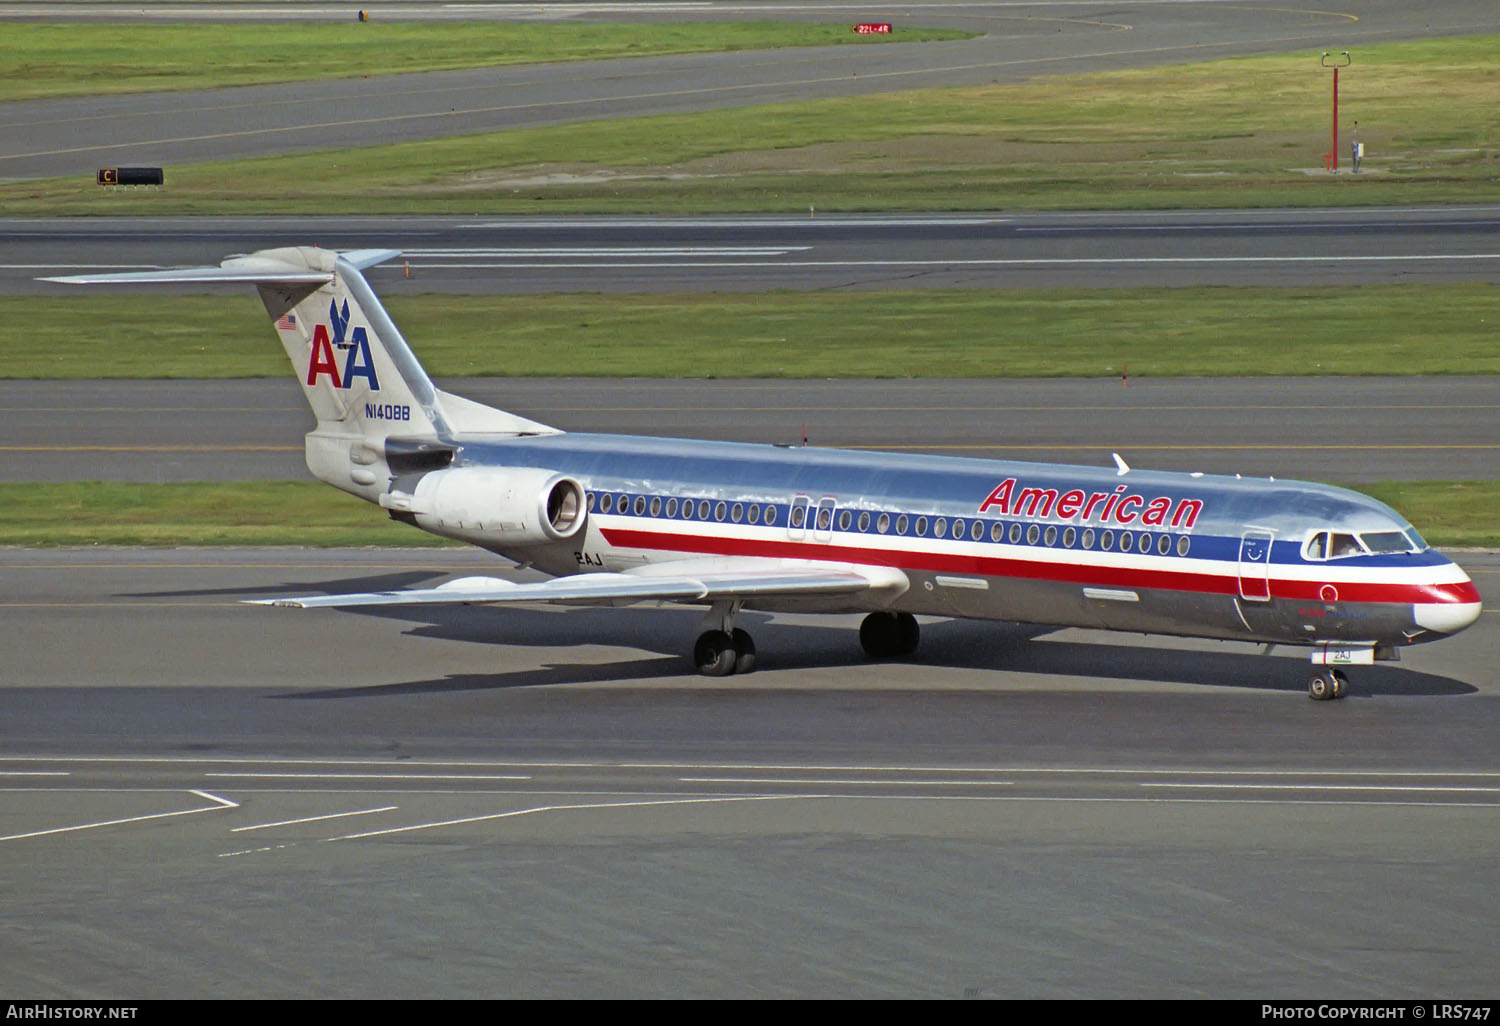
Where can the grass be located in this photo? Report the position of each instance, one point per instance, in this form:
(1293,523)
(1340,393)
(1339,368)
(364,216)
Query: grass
(1159,332)
(1448,513)
(1233,133)
(53,60)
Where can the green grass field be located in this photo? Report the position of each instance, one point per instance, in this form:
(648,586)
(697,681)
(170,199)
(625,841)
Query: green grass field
(48,60)
(1448,513)
(1371,330)
(1233,133)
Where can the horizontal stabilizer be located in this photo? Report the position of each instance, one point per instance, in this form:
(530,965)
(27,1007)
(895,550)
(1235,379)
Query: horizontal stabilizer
(256,269)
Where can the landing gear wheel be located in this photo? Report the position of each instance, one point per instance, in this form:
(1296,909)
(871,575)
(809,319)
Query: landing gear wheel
(714,654)
(886,635)
(744,650)
(1340,684)
(1320,686)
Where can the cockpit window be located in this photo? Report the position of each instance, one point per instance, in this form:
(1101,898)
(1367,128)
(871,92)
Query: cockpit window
(1418,543)
(1386,541)
(1332,545)
(1326,545)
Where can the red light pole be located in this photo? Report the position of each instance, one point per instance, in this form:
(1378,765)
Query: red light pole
(1331,160)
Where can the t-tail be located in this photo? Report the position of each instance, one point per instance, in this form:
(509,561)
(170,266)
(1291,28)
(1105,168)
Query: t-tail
(373,401)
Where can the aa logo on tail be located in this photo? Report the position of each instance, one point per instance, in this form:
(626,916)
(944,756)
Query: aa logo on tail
(357,360)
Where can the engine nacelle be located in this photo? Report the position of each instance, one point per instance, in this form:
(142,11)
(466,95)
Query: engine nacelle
(512,505)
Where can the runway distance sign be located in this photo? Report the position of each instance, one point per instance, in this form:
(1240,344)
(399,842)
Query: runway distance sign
(130,176)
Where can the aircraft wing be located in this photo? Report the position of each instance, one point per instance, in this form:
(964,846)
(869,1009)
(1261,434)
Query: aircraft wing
(624,588)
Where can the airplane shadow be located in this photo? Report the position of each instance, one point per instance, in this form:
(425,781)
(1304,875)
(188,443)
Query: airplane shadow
(999,648)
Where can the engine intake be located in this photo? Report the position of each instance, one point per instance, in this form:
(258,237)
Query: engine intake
(517,505)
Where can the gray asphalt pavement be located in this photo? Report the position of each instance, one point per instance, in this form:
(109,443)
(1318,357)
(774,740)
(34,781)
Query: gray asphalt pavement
(1328,429)
(670,254)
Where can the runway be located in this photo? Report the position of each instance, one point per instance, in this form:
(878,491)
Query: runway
(545,803)
(669,254)
(76,136)
(1338,430)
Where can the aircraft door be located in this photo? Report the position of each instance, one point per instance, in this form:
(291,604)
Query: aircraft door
(823,522)
(796,525)
(1255,565)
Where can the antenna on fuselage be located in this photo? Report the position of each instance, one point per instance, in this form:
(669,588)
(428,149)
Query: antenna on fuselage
(1124,467)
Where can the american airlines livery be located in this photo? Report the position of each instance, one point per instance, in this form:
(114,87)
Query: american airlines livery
(622,519)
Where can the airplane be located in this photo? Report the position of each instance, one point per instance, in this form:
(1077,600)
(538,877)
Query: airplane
(617,519)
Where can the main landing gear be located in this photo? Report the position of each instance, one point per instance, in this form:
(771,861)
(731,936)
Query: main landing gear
(1326,685)
(889,635)
(724,648)
(719,653)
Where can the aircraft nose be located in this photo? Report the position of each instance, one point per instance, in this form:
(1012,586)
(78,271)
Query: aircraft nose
(1458,605)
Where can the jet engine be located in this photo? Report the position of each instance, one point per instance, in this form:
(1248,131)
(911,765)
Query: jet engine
(511,505)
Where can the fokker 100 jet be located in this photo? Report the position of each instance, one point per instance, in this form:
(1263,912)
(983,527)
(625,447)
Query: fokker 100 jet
(623,519)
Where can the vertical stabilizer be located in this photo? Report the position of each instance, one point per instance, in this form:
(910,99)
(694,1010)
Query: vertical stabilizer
(360,377)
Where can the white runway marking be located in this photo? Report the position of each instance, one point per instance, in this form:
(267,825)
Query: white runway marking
(1318,258)
(854,781)
(221,803)
(375,776)
(557,808)
(313,819)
